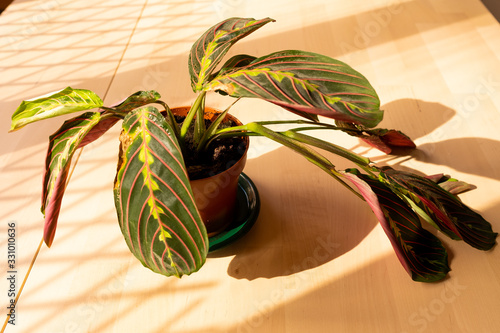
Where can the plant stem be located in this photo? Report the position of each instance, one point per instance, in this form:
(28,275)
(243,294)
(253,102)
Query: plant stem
(192,112)
(292,133)
(369,170)
(199,125)
(317,125)
(285,122)
(231,129)
(333,148)
(209,134)
(310,154)
(105,108)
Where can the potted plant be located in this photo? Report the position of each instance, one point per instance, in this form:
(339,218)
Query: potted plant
(157,212)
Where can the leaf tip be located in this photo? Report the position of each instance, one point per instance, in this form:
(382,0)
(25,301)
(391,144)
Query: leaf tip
(48,238)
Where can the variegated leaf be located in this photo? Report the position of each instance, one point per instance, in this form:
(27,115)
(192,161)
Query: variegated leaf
(156,210)
(137,99)
(305,82)
(207,52)
(55,104)
(62,146)
(420,252)
(109,119)
(235,62)
(97,131)
(383,139)
(452,216)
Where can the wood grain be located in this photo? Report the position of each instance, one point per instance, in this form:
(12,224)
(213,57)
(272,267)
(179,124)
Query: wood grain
(316,260)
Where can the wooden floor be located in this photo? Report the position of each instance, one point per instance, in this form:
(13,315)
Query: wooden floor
(316,259)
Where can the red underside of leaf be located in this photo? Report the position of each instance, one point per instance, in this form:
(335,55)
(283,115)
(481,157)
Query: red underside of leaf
(390,140)
(54,206)
(372,200)
(97,131)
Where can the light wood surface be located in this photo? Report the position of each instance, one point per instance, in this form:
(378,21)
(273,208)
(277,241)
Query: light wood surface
(316,260)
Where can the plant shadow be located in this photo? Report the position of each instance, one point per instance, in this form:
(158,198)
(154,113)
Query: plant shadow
(311,219)
(343,301)
(441,123)
(296,229)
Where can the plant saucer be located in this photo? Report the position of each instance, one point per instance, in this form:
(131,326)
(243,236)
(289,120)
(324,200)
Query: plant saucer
(247,211)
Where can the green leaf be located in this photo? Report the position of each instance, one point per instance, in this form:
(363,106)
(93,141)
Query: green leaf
(420,252)
(110,118)
(156,210)
(233,63)
(305,83)
(207,52)
(452,216)
(62,146)
(52,105)
(137,99)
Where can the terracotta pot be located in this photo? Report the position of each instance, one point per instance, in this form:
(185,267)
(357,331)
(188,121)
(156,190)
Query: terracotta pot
(215,196)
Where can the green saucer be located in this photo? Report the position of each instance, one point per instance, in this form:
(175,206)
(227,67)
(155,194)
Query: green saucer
(247,211)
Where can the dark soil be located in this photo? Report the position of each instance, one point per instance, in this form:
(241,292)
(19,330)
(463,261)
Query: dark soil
(220,155)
